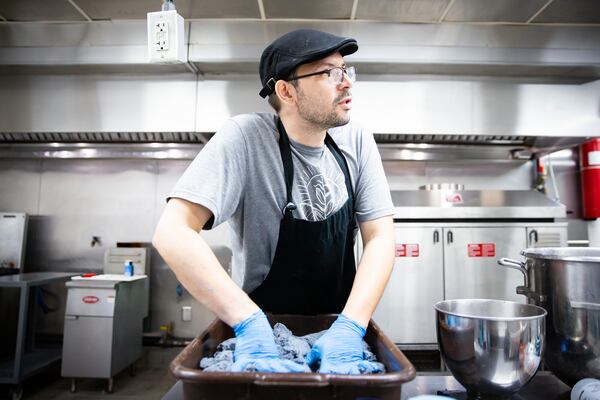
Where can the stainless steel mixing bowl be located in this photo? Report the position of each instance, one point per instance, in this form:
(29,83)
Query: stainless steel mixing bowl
(492,347)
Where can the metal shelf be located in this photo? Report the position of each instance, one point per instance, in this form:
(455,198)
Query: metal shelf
(32,362)
(28,358)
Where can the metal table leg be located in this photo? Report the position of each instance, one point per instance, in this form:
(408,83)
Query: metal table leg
(21,332)
(16,393)
(110,385)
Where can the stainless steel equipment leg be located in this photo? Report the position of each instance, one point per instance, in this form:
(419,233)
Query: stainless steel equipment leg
(21,333)
(73,385)
(32,319)
(110,385)
(16,393)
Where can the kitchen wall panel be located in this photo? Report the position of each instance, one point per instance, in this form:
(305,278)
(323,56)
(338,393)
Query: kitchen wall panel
(565,164)
(20,185)
(70,201)
(80,199)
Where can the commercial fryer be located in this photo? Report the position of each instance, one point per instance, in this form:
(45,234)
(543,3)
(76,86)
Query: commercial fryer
(104,318)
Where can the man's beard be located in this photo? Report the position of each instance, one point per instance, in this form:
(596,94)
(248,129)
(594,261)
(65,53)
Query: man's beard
(320,118)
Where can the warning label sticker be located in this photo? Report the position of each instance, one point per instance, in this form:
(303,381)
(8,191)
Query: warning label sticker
(407,250)
(481,250)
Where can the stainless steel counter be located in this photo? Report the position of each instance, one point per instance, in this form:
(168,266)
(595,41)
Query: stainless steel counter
(544,386)
(33,279)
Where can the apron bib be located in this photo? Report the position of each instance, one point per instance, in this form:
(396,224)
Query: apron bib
(313,268)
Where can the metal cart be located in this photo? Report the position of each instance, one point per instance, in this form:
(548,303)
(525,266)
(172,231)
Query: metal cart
(28,359)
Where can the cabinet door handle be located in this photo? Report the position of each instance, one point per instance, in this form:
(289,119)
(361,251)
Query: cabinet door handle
(450,237)
(436,236)
(533,237)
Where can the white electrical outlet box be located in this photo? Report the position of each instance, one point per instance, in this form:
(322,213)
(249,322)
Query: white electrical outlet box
(166,38)
(186,313)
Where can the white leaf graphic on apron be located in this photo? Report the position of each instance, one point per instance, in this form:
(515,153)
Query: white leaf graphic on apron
(322,191)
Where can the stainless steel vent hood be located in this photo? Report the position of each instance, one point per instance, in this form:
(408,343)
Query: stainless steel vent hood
(527,52)
(520,88)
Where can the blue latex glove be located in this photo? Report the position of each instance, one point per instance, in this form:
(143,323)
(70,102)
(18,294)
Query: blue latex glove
(255,348)
(340,350)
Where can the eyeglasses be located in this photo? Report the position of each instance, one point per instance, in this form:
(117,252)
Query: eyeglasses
(335,74)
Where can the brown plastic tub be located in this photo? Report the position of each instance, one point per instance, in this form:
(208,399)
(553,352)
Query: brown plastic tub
(198,384)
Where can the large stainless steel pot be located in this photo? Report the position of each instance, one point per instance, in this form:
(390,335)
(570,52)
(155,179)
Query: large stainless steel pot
(566,283)
(492,347)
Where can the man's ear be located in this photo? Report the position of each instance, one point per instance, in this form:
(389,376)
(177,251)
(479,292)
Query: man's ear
(285,91)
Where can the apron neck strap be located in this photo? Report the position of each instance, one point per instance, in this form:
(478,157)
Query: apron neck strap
(288,166)
(343,163)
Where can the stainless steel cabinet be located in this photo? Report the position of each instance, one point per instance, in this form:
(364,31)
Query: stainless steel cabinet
(405,311)
(88,344)
(436,261)
(471,270)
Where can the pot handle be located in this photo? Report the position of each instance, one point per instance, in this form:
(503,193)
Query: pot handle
(518,265)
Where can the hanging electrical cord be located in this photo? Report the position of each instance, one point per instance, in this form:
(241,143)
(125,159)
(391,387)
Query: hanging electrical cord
(41,295)
(167,5)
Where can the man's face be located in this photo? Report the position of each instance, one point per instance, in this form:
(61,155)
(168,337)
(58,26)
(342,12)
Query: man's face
(320,101)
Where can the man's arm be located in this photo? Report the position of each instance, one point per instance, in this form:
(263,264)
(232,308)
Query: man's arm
(197,268)
(374,269)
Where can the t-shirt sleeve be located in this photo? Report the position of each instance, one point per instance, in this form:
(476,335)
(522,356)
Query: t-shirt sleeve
(215,179)
(373,198)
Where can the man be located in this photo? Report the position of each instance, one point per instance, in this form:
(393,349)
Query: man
(292,191)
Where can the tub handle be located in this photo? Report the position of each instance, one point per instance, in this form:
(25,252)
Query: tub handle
(518,265)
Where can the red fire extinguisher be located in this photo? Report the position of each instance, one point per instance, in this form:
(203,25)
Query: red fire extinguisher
(589,162)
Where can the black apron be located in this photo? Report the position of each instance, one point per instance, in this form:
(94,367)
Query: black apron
(313,268)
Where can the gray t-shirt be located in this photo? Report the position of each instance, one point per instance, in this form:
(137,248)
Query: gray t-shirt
(238,176)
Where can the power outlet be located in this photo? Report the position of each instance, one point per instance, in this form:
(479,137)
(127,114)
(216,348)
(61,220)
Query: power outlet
(161,36)
(166,36)
(186,313)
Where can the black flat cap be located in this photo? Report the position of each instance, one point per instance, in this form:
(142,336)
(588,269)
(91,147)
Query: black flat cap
(295,48)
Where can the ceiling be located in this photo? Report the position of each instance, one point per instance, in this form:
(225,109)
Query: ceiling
(509,12)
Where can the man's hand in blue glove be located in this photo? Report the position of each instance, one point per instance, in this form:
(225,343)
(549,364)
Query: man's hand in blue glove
(340,350)
(255,348)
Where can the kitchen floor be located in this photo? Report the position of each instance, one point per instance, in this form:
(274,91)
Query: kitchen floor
(151,381)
